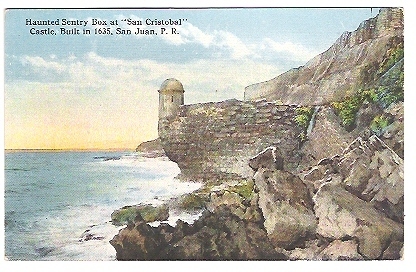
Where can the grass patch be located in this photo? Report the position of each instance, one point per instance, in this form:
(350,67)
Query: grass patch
(245,189)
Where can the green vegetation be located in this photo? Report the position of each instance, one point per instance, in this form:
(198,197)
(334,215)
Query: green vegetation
(244,189)
(148,212)
(394,55)
(384,96)
(378,124)
(347,110)
(387,95)
(124,216)
(302,118)
(193,201)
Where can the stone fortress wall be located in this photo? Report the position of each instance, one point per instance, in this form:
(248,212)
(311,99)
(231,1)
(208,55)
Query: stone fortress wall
(214,141)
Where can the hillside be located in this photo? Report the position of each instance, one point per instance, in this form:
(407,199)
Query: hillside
(356,60)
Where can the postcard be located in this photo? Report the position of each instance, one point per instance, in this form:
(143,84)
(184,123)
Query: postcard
(232,133)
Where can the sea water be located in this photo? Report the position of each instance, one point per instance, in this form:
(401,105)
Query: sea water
(53,198)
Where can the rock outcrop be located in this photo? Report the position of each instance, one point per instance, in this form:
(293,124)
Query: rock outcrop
(348,207)
(337,72)
(341,215)
(215,236)
(374,173)
(359,195)
(151,149)
(369,170)
(149,213)
(326,138)
(284,200)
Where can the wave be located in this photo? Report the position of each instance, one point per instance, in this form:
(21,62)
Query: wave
(17,169)
(77,226)
(106,158)
(139,164)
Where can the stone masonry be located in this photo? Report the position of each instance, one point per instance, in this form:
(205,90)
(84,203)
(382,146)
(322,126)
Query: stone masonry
(214,141)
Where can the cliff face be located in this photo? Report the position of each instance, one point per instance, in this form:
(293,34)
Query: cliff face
(214,141)
(346,66)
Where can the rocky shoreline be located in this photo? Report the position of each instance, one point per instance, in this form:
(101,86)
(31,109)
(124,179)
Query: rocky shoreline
(329,212)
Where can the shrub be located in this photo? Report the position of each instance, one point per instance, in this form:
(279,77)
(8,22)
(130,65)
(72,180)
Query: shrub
(302,118)
(347,109)
(378,124)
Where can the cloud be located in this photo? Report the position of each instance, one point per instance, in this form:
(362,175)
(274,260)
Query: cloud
(189,33)
(232,43)
(40,63)
(222,44)
(218,39)
(227,42)
(109,102)
(295,51)
(105,73)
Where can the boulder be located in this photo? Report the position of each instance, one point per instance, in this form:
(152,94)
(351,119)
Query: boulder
(374,173)
(224,236)
(393,252)
(270,158)
(224,197)
(342,215)
(241,198)
(284,201)
(326,138)
(339,250)
(137,241)
(310,251)
(368,169)
(88,235)
(148,212)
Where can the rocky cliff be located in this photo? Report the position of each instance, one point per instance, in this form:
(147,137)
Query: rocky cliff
(348,65)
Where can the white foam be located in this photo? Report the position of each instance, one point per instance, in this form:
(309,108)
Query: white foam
(175,215)
(63,232)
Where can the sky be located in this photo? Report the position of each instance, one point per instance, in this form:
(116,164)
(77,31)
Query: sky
(100,91)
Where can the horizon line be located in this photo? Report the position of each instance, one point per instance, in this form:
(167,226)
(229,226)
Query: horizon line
(65,149)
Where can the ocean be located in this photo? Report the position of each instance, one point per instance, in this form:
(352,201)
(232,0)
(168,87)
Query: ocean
(52,199)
